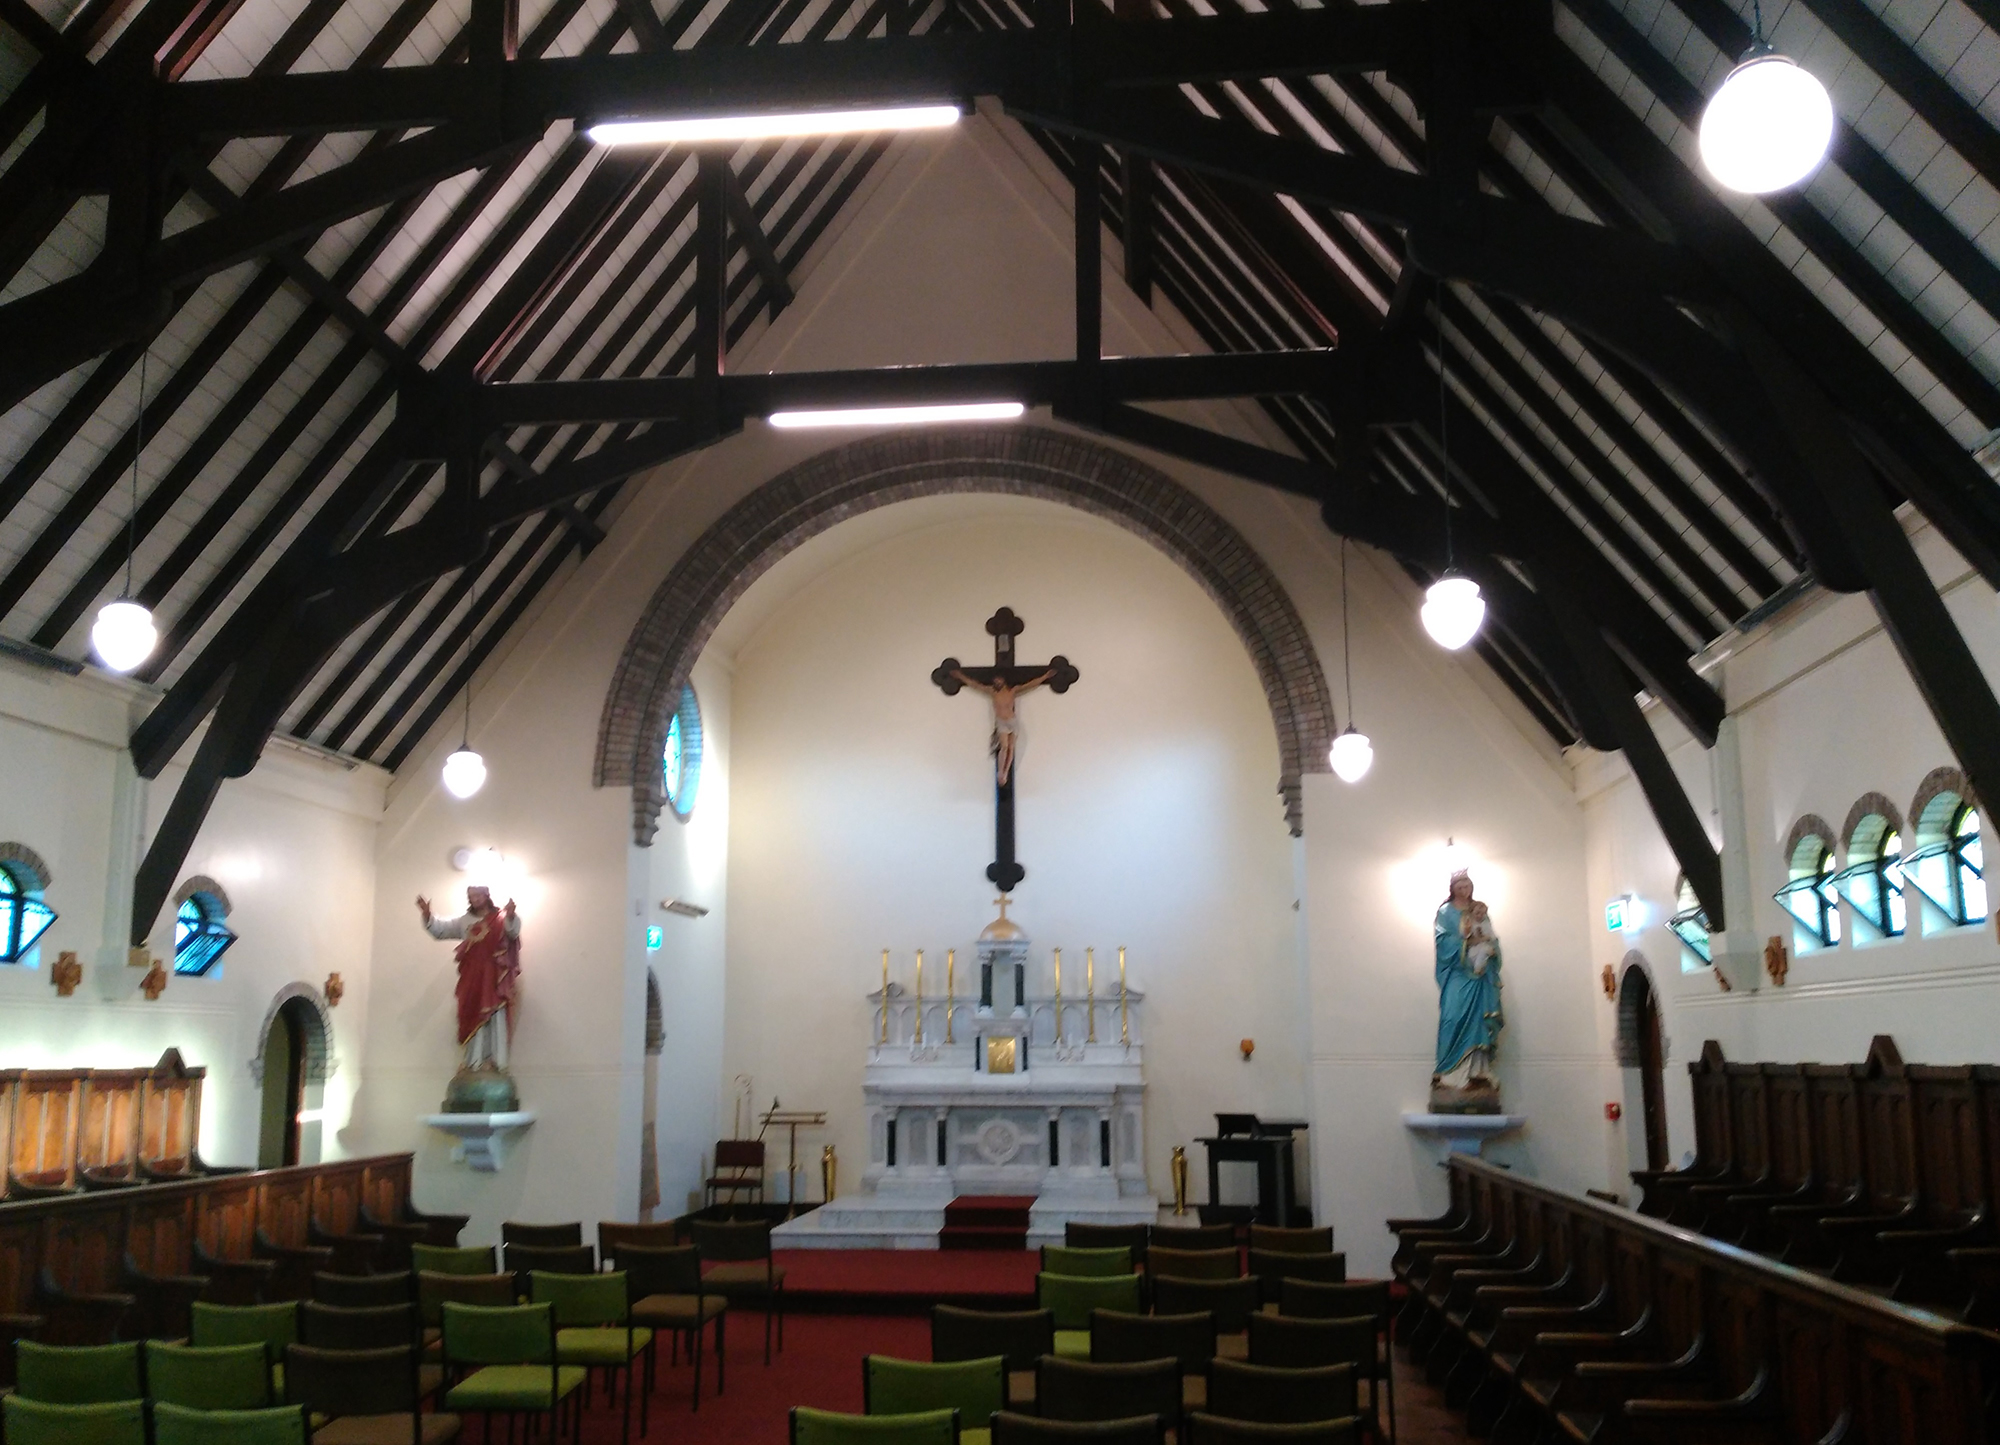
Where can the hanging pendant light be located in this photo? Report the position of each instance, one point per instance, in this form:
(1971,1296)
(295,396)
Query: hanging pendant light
(1769,123)
(1351,755)
(1453,608)
(123,634)
(465,770)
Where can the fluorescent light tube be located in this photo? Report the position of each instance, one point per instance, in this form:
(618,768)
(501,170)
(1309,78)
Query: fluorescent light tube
(899,415)
(766,127)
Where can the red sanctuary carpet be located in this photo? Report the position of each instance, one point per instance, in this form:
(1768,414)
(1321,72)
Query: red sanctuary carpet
(906,1281)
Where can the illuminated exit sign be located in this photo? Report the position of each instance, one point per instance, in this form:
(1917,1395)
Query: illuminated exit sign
(1620,913)
(655,936)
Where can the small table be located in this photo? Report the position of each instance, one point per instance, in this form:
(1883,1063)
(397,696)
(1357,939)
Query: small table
(1267,1144)
(792,1120)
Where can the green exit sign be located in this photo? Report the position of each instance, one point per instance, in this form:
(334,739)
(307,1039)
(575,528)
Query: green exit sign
(655,936)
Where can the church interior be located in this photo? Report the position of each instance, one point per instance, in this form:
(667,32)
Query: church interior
(1044,722)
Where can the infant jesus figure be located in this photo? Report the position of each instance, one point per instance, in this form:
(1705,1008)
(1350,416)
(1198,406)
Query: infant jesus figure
(1481,942)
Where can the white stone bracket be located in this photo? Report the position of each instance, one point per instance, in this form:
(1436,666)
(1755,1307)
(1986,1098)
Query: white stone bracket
(482,1138)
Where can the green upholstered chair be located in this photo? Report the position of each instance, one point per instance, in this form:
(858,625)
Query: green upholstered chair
(1080,1390)
(542,1236)
(1162,1262)
(210,1377)
(101,1422)
(669,1298)
(1134,1237)
(274,1425)
(1060,1259)
(494,1291)
(364,1291)
(739,1267)
(974,1388)
(1012,1429)
(1274,1267)
(1238,1390)
(77,1374)
(453,1259)
(594,1328)
(1291,1241)
(367,1397)
(1206,1429)
(510,1354)
(1071,1299)
(1231,1301)
(274,1326)
(1117,1338)
(1194,1236)
(830,1427)
(1019,1336)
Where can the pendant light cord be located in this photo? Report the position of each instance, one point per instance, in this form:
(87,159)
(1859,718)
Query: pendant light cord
(1346,647)
(138,447)
(1444,439)
(1757,23)
(465,738)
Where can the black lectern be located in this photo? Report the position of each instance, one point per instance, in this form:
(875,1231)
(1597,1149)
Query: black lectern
(1267,1143)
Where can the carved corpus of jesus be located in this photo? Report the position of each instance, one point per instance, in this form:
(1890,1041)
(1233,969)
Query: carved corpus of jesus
(489,963)
(1006,721)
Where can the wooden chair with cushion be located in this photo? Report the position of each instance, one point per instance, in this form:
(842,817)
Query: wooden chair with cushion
(42,1422)
(1083,1390)
(669,1297)
(364,1291)
(369,1397)
(1294,1344)
(277,1425)
(1071,1298)
(1231,1301)
(1275,1267)
(214,1377)
(1134,1237)
(1291,1241)
(976,1389)
(610,1235)
(739,1169)
(1238,1390)
(1117,1338)
(831,1427)
(1012,1429)
(1194,1236)
(503,1360)
(739,1267)
(77,1374)
(542,1236)
(1019,1336)
(1206,1429)
(1061,1259)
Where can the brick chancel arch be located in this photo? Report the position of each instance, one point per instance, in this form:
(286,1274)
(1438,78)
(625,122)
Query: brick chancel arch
(846,482)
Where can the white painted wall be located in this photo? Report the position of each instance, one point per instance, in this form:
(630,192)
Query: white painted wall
(293,845)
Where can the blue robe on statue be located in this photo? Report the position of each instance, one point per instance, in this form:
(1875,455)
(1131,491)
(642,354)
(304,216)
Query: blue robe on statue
(1469,1016)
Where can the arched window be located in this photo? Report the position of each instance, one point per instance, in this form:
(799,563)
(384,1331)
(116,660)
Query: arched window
(1809,896)
(200,935)
(680,760)
(1872,881)
(1690,924)
(1948,865)
(24,918)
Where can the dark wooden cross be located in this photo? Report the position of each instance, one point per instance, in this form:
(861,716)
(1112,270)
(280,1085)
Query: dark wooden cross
(952,675)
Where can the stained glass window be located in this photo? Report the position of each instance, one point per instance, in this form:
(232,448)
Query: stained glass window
(200,935)
(680,759)
(24,918)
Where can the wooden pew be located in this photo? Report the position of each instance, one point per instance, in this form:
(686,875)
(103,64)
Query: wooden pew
(1660,1333)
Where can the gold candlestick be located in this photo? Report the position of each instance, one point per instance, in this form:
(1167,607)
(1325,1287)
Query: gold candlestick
(1059,1038)
(1090,993)
(950,988)
(885,995)
(1124,1005)
(920,996)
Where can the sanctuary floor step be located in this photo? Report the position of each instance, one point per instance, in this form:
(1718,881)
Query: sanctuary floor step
(986,1221)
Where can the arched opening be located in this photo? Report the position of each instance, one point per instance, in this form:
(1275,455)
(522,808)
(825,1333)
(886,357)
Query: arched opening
(285,1054)
(1639,1015)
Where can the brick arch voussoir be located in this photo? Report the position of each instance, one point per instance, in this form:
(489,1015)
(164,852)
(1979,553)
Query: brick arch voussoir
(849,481)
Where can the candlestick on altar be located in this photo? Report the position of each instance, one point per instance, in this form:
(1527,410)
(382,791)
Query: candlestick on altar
(950,988)
(885,995)
(1124,1007)
(1090,992)
(920,996)
(1059,1037)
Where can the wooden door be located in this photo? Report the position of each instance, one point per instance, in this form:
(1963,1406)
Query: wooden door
(1652,1075)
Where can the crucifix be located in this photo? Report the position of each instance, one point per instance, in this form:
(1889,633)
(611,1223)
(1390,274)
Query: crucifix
(1003,683)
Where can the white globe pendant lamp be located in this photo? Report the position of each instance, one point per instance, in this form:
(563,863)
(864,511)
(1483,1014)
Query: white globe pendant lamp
(1453,610)
(123,636)
(1768,126)
(465,770)
(1352,755)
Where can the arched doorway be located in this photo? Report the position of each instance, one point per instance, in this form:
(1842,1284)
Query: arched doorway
(284,1056)
(1644,1049)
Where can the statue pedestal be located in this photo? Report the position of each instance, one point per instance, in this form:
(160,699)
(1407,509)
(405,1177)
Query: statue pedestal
(482,1138)
(1461,1133)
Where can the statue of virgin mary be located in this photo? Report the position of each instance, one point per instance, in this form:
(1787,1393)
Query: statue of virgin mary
(1469,1013)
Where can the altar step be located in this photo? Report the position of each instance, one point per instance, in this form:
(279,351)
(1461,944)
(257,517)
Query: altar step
(986,1221)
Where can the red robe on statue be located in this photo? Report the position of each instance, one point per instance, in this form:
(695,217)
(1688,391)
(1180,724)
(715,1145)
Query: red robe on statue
(489,963)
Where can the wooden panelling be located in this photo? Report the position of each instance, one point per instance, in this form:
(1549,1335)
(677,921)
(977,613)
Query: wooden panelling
(69,1128)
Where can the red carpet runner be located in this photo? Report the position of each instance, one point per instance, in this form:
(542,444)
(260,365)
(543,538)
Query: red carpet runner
(906,1281)
(986,1221)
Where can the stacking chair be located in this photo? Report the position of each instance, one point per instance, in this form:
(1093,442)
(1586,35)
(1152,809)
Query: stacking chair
(1071,1298)
(1162,1262)
(1296,1344)
(1304,1299)
(1274,1267)
(434,1290)
(1231,1301)
(975,1389)
(211,1377)
(669,1297)
(611,1236)
(362,1291)
(1012,1429)
(369,1397)
(594,1329)
(274,1425)
(1081,1390)
(1117,1338)
(741,1270)
(1194,1236)
(1291,1241)
(77,1374)
(739,1168)
(273,1326)
(453,1259)
(509,1354)
(542,1236)
(830,1427)
(340,1327)
(1205,1429)
(1238,1390)
(44,1422)
(522,1260)
(1134,1237)
(1061,1259)
(1019,1336)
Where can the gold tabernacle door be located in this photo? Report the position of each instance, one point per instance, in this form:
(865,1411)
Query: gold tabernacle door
(1000,1054)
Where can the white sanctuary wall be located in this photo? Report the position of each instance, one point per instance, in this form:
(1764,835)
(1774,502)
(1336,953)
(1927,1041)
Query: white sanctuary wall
(1825,712)
(293,846)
